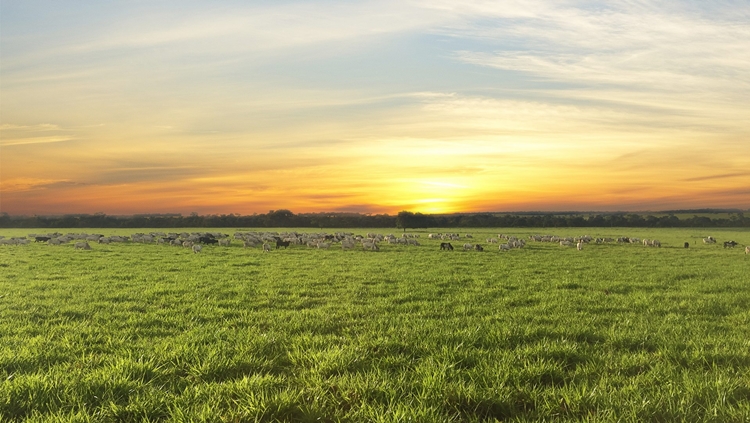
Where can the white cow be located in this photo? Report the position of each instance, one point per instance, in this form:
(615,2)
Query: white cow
(197,248)
(747,250)
(82,246)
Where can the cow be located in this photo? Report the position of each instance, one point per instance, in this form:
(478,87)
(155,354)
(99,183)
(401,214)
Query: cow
(747,249)
(446,246)
(478,247)
(208,240)
(687,245)
(197,248)
(280,243)
(730,244)
(41,238)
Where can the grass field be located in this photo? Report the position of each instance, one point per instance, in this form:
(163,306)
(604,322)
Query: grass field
(134,332)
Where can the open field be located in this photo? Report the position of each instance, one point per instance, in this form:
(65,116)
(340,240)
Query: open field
(615,332)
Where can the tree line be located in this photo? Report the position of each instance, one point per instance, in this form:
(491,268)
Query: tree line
(403,220)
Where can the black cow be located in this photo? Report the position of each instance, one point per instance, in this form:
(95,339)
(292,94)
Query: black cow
(208,240)
(687,245)
(280,243)
(41,238)
(478,247)
(730,244)
(446,246)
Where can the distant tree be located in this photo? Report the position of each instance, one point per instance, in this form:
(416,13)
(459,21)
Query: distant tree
(406,219)
(4,220)
(280,218)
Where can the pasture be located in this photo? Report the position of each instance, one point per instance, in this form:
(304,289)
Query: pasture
(147,332)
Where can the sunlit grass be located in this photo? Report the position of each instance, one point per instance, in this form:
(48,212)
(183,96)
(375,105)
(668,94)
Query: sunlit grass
(133,332)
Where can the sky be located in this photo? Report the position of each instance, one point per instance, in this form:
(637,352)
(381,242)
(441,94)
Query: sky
(433,106)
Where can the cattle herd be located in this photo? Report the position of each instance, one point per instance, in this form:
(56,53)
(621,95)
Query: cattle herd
(269,241)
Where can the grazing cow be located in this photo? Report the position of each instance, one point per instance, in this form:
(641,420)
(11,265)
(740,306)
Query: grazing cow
(747,249)
(197,248)
(266,247)
(370,245)
(41,238)
(208,240)
(280,243)
(468,246)
(687,245)
(504,247)
(730,244)
(446,246)
(82,246)
(226,242)
(709,240)
(478,247)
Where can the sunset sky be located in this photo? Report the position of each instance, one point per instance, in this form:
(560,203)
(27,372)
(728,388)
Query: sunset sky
(433,106)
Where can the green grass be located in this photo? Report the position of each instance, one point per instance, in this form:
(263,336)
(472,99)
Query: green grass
(133,332)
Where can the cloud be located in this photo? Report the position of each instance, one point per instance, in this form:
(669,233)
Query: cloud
(14,134)
(721,176)
(30,184)
(668,56)
(32,140)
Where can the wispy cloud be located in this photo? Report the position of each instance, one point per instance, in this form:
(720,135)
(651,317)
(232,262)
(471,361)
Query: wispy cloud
(721,176)
(32,140)
(660,47)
